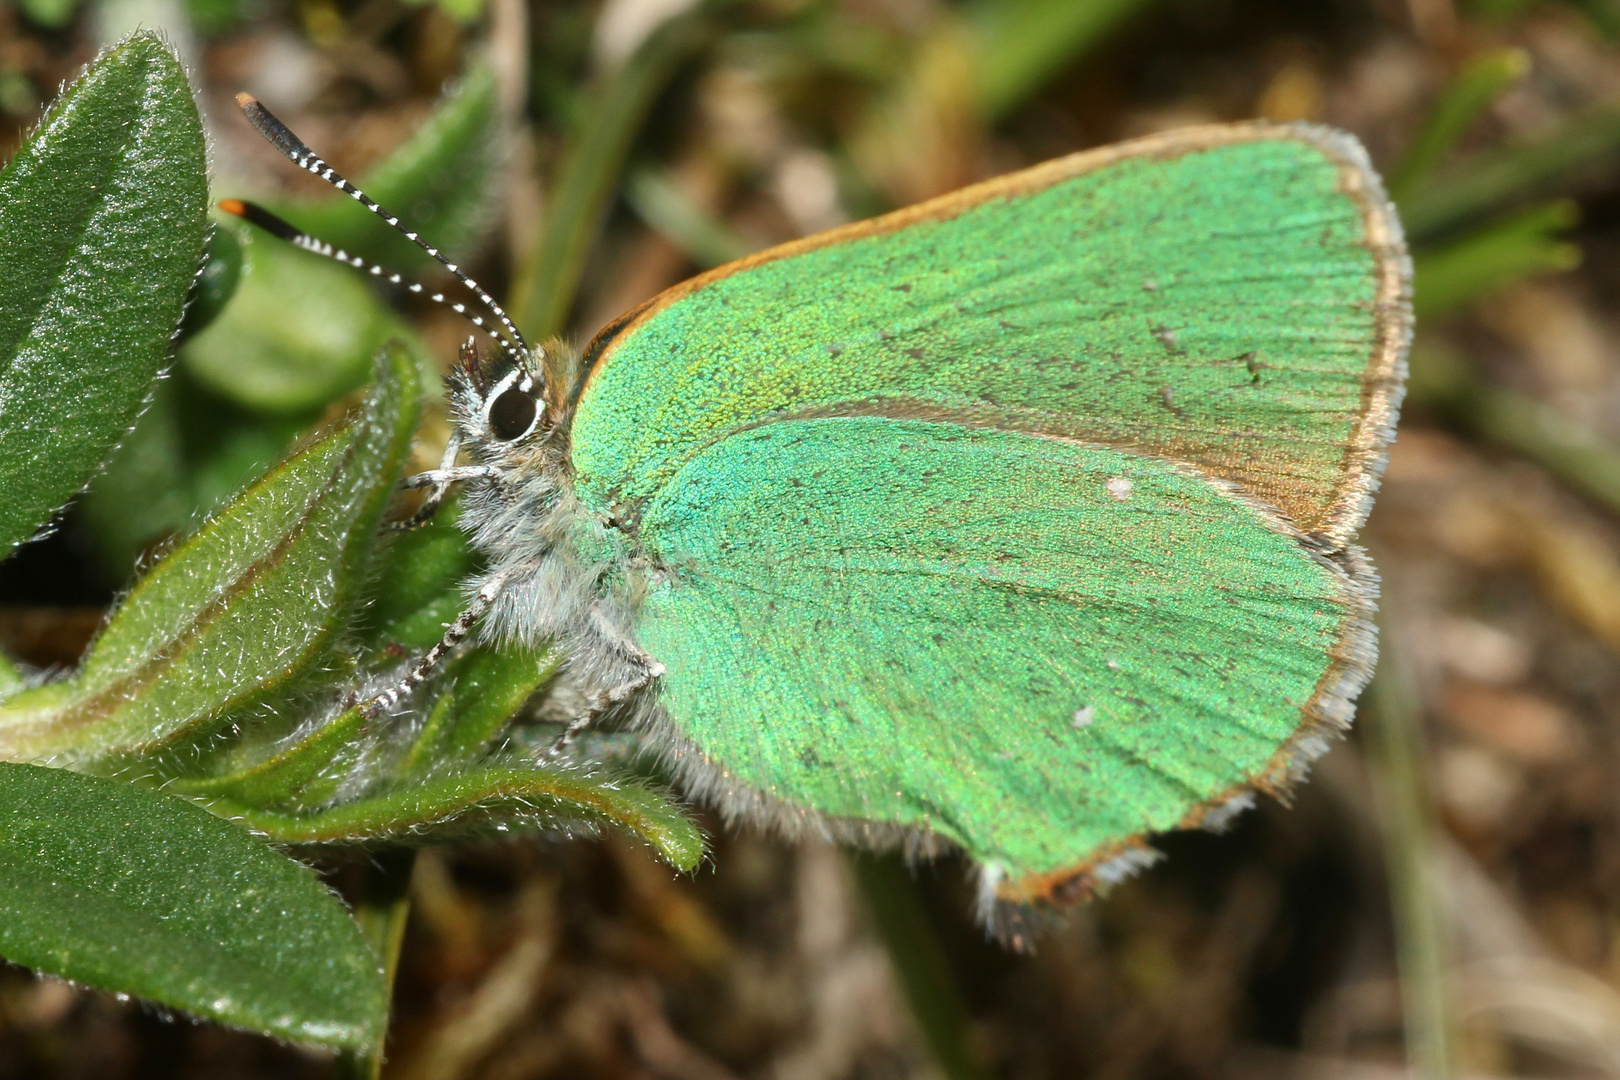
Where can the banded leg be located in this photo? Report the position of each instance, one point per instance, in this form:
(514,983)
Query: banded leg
(441,488)
(454,635)
(435,477)
(603,700)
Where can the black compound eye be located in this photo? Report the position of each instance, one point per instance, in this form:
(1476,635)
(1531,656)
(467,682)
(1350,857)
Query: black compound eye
(512,414)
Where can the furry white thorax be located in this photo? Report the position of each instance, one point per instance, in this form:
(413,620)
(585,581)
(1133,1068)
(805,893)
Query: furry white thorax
(565,577)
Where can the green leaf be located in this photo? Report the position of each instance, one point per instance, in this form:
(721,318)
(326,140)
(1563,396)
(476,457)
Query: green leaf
(54,14)
(216,282)
(211,17)
(1479,83)
(488,685)
(240,609)
(102,222)
(141,495)
(486,801)
(1495,177)
(1023,43)
(140,893)
(442,183)
(587,174)
(299,332)
(188,454)
(1480,262)
(701,236)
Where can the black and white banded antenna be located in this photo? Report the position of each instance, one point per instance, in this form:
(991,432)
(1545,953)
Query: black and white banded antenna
(291,147)
(282,229)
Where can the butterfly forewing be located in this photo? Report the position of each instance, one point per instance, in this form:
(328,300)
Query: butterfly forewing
(1231,297)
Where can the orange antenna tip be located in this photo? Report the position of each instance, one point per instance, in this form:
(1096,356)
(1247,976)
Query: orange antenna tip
(234,206)
(244,99)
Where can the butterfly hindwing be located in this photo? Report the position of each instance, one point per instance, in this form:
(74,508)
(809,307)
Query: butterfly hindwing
(1030,647)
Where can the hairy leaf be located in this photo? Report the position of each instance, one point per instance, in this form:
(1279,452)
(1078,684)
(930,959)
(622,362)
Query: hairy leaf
(489,800)
(141,893)
(279,780)
(102,223)
(419,585)
(242,607)
(488,685)
(189,453)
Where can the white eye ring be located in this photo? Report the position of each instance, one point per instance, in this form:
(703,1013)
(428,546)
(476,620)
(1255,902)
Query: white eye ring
(513,420)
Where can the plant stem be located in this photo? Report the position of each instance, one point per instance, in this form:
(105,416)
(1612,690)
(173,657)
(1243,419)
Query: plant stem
(589,171)
(918,960)
(1576,455)
(1493,177)
(381,909)
(1394,744)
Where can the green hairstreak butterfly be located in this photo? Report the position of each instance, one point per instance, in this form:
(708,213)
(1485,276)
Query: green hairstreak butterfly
(1019,521)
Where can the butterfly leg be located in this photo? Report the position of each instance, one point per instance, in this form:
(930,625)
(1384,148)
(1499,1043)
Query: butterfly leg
(448,472)
(603,700)
(436,478)
(441,488)
(454,634)
(439,480)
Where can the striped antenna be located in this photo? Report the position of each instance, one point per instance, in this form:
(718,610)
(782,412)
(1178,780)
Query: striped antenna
(281,229)
(291,147)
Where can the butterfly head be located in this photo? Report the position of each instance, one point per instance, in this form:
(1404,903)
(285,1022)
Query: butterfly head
(504,404)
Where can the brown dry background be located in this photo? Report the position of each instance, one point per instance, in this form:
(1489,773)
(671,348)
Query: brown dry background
(1443,897)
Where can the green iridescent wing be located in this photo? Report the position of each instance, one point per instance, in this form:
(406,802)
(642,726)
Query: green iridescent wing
(969,631)
(1021,517)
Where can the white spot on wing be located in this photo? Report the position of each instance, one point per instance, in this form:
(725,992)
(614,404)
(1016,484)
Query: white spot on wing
(1119,487)
(1083,716)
